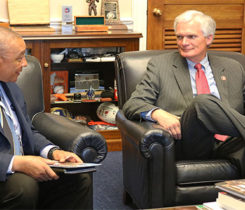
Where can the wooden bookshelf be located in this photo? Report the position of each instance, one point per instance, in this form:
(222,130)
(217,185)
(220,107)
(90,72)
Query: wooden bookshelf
(42,43)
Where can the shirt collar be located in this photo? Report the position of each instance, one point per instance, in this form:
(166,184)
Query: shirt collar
(204,62)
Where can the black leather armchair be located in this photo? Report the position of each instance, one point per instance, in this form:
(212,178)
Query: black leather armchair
(151,176)
(69,135)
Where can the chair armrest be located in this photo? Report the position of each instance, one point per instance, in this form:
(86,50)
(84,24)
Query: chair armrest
(144,134)
(71,136)
(149,161)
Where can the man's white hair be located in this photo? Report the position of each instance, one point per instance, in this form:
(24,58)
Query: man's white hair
(208,24)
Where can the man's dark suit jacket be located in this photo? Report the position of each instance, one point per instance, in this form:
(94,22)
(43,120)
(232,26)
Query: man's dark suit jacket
(33,142)
(167,85)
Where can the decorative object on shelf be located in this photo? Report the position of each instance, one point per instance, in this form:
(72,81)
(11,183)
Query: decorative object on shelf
(102,126)
(67,18)
(90,23)
(115,91)
(61,111)
(92,7)
(59,82)
(57,58)
(107,112)
(107,94)
(66,14)
(90,93)
(82,119)
(73,55)
(60,97)
(110,10)
(77,97)
(87,81)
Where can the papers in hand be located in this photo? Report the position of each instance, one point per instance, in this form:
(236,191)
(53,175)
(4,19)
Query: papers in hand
(74,168)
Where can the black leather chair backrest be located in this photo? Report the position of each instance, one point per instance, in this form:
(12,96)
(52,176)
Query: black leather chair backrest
(131,66)
(31,83)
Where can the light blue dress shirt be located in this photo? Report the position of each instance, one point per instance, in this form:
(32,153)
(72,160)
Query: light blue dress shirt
(210,77)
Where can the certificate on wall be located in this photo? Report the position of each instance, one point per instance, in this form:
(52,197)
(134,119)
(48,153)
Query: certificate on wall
(110,10)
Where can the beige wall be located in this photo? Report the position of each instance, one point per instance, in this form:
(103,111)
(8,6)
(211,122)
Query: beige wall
(80,7)
(3,10)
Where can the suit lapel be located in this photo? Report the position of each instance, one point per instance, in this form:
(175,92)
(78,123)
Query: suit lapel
(1,129)
(14,102)
(220,77)
(15,99)
(182,75)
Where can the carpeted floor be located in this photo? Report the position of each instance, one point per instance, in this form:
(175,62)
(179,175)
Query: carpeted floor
(108,184)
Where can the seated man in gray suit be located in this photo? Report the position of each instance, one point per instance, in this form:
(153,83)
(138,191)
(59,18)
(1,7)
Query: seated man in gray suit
(26,179)
(193,102)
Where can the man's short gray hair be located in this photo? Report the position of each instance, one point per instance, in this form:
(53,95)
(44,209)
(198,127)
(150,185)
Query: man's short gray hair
(6,36)
(208,25)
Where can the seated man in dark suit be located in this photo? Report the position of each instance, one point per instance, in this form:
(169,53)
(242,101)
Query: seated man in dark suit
(26,179)
(197,97)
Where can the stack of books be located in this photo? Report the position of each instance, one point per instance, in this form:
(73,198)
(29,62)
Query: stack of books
(232,196)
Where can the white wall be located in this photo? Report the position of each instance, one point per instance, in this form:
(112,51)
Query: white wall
(139,16)
(132,11)
(3,11)
(79,7)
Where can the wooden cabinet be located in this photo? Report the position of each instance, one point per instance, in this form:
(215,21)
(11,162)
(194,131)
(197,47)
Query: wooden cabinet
(41,44)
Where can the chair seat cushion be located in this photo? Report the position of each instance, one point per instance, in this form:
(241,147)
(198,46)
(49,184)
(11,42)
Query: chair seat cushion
(205,172)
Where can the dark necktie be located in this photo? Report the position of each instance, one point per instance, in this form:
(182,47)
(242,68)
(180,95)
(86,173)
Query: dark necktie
(203,88)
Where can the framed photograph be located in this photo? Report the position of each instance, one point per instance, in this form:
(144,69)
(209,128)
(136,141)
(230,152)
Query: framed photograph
(110,10)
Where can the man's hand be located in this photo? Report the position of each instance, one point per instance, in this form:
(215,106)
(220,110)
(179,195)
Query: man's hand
(64,156)
(168,121)
(34,166)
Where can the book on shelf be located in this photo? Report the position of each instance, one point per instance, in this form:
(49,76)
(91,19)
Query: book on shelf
(228,201)
(234,187)
(74,168)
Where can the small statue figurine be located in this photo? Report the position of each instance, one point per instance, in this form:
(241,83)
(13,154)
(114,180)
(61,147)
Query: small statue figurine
(91,93)
(92,7)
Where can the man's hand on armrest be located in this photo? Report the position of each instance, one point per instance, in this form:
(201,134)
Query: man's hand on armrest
(168,121)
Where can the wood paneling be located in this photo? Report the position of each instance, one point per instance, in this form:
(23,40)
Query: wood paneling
(225,39)
(228,14)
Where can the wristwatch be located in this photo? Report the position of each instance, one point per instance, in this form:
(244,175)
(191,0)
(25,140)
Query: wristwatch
(51,151)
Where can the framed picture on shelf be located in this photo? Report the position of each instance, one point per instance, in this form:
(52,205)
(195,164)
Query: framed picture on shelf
(110,10)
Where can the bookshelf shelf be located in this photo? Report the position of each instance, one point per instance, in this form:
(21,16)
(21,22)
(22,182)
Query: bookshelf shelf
(42,44)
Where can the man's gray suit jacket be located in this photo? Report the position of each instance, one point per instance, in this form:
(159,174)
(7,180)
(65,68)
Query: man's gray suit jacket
(167,85)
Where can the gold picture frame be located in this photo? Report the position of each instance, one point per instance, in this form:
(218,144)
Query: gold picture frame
(110,10)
